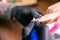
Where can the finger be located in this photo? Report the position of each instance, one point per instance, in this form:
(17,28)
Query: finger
(56,9)
(52,7)
(48,11)
(52,20)
(47,17)
(55,19)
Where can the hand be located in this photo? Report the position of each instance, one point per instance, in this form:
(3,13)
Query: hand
(53,14)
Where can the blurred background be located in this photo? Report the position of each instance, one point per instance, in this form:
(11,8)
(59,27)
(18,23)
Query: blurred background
(39,5)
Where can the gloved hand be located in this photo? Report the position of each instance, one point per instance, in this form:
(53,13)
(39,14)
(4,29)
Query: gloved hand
(24,14)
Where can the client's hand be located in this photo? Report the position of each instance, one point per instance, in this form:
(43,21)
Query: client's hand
(53,14)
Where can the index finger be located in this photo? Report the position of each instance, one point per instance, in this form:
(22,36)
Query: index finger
(47,17)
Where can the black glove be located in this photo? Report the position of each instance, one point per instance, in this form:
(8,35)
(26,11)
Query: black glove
(27,30)
(24,14)
(43,31)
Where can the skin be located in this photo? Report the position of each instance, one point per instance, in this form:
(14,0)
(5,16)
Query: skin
(53,14)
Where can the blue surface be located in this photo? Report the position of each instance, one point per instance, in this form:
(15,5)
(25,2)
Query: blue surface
(34,35)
